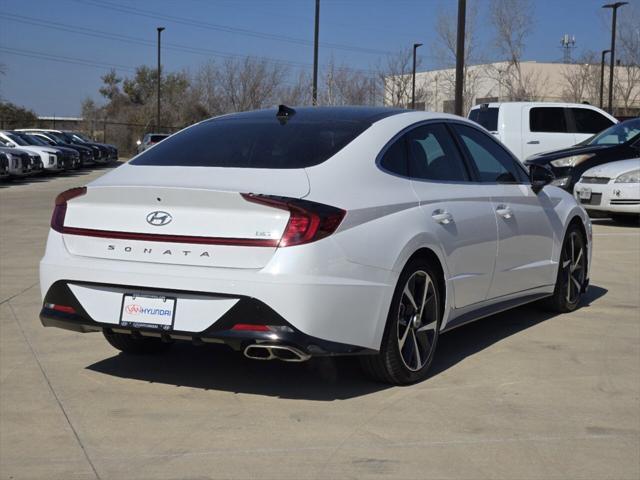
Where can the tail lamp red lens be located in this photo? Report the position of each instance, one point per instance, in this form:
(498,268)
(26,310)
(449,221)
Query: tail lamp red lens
(247,327)
(308,221)
(60,209)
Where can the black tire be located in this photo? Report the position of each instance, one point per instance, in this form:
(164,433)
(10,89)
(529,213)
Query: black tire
(136,345)
(398,364)
(572,269)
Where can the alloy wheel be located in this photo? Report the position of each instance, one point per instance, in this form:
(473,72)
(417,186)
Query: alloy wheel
(573,266)
(417,320)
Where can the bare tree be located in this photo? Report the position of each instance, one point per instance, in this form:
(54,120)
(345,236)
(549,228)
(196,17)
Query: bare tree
(581,80)
(249,84)
(345,86)
(395,80)
(512,21)
(626,81)
(445,51)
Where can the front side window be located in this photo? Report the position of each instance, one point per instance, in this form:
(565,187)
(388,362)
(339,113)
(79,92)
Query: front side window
(548,119)
(492,162)
(589,121)
(434,156)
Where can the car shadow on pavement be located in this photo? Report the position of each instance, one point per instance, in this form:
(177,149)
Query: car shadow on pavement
(217,367)
(462,342)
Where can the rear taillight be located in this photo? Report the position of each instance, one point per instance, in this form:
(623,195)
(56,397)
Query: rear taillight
(308,221)
(60,209)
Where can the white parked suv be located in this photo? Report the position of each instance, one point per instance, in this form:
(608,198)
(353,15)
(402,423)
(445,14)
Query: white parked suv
(528,128)
(317,231)
(612,189)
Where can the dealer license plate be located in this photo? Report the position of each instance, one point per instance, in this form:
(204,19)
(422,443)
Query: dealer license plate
(145,311)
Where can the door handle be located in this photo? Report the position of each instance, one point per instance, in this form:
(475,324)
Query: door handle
(504,211)
(442,216)
(534,142)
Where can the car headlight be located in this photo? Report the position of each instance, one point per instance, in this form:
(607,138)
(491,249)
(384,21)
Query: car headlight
(630,177)
(571,161)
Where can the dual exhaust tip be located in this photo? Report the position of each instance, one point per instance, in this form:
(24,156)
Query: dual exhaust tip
(259,351)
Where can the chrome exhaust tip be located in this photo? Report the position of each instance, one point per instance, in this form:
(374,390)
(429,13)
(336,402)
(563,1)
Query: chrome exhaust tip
(285,353)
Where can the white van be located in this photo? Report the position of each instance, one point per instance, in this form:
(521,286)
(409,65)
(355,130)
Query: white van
(528,128)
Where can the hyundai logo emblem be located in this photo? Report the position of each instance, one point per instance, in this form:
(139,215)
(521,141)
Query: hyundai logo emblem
(159,218)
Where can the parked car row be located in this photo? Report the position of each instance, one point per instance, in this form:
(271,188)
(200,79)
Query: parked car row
(591,154)
(30,151)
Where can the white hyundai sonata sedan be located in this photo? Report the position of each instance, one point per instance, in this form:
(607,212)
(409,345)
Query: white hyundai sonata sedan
(288,234)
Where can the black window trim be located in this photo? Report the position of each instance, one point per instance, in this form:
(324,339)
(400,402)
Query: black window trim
(469,159)
(472,174)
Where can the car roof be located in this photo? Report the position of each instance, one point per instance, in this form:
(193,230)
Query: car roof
(318,114)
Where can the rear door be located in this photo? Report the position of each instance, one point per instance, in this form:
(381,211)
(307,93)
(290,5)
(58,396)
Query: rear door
(585,122)
(458,210)
(544,129)
(525,236)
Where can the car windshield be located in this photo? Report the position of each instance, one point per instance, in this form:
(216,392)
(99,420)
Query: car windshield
(617,134)
(33,140)
(16,139)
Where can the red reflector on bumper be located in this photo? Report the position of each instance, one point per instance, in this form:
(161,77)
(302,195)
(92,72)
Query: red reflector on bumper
(251,328)
(60,308)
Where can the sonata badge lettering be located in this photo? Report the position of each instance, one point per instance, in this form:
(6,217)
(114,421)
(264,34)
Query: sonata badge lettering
(159,218)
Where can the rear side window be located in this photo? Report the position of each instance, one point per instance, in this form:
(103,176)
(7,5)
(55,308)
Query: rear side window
(492,162)
(548,119)
(254,143)
(157,138)
(433,155)
(487,117)
(394,159)
(589,121)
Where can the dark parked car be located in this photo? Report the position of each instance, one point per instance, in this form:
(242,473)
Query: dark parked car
(4,165)
(112,149)
(68,158)
(19,163)
(618,142)
(86,153)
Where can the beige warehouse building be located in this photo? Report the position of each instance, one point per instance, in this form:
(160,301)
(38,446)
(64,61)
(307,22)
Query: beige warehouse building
(529,81)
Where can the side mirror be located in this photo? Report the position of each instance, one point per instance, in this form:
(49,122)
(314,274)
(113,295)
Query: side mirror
(540,175)
(138,142)
(11,145)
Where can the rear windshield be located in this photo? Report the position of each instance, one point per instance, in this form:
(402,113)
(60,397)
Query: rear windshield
(254,143)
(487,117)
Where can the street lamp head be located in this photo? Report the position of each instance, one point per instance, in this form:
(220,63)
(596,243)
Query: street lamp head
(416,45)
(604,52)
(615,5)
(160,29)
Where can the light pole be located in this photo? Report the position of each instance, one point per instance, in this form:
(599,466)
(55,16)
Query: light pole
(314,91)
(604,53)
(462,9)
(160,29)
(614,7)
(413,78)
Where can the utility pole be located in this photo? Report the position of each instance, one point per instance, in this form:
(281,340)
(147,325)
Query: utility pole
(160,29)
(413,78)
(462,9)
(314,92)
(604,53)
(614,7)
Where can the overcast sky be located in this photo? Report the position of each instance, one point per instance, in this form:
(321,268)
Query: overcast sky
(54,52)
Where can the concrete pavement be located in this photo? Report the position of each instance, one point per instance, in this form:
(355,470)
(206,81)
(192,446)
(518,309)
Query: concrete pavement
(520,395)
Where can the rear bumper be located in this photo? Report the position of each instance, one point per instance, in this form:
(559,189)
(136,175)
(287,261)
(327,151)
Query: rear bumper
(313,289)
(245,310)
